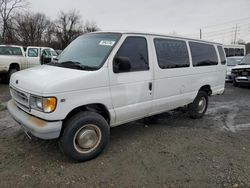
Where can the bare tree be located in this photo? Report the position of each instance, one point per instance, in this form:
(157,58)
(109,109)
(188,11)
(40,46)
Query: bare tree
(240,41)
(90,27)
(50,33)
(68,27)
(31,28)
(7,10)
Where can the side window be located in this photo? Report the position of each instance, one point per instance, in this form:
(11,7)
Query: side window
(242,52)
(226,51)
(47,52)
(135,50)
(33,52)
(171,53)
(231,52)
(222,55)
(237,52)
(17,51)
(203,54)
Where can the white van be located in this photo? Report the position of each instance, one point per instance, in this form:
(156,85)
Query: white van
(105,79)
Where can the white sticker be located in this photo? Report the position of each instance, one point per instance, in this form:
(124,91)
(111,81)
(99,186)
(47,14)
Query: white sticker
(107,43)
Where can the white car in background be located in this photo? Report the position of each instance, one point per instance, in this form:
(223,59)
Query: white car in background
(15,58)
(232,62)
(241,72)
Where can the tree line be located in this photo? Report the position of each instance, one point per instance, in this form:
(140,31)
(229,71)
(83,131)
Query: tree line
(22,27)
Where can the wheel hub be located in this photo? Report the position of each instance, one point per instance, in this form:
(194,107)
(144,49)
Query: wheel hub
(202,105)
(87,138)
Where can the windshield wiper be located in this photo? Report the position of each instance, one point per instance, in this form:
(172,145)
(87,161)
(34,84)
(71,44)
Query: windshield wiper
(75,65)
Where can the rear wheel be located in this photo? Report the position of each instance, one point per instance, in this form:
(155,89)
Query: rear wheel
(85,136)
(199,107)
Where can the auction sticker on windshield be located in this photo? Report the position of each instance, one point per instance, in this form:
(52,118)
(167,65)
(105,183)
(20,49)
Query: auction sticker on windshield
(107,43)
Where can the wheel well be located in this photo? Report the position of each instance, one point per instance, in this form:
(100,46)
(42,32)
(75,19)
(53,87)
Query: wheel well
(207,89)
(14,66)
(98,108)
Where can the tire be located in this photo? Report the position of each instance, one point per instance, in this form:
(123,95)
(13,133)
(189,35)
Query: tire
(85,136)
(198,108)
(6,78)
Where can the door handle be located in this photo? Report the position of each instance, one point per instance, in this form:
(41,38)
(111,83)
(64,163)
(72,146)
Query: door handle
(150,86)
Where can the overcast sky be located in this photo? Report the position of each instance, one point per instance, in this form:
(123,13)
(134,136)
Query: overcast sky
(184,17)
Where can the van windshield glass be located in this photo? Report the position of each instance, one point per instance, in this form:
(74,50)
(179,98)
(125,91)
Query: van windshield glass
(88,52)
(245,61)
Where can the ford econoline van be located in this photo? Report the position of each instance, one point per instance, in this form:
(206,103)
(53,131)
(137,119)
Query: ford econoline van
(106,79)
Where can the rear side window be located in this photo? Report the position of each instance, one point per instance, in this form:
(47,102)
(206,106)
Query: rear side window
(203,54)
(222,55)
(171,53)
(136,50)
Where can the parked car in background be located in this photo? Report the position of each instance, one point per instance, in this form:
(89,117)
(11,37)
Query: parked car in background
(14,58)
(58,52)
(106,79)
(241,72)
(232,62)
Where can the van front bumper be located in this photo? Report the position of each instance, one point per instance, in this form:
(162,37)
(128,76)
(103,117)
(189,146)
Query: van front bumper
(243,79)
(37,127)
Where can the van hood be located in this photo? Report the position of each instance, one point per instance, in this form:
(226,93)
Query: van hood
(45,79)
(241,67)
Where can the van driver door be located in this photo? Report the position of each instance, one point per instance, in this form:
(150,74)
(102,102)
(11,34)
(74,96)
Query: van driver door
(130,72)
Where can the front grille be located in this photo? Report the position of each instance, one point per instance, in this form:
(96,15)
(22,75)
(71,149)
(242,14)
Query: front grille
(241,72)
(21,98)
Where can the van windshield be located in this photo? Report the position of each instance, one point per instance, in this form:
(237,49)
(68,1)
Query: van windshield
(245,61)
(88,52)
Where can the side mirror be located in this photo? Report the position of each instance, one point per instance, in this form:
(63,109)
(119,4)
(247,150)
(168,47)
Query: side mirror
(121,64)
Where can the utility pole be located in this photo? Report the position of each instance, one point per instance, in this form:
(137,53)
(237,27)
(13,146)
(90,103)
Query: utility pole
(200,34)
(235,33)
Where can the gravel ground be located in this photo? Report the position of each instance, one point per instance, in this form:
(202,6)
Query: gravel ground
(172,151)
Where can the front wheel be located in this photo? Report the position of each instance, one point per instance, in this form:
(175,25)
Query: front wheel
(199,107)
(85,136)
(6,78)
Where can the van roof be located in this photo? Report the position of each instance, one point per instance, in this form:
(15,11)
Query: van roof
(157,34)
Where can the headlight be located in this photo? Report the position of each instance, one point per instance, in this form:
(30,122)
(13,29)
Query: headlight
(36,103)
(44,104)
